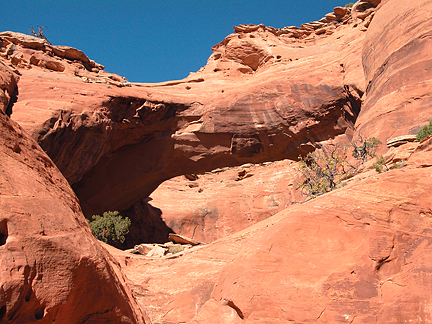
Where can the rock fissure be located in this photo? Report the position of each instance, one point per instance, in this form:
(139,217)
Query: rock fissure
(231,304)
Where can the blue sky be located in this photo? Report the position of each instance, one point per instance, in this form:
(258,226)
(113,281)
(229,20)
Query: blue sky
(151,40)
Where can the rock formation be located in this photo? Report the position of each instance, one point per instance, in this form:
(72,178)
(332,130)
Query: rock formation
(52,268)
(356,254)
(222,202)
(397,65)
(115,145)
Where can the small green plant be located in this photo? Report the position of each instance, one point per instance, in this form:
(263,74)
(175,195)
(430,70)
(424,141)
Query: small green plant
(424,132)
(398,165)
(349,5)
(110,228)
(176,248)
(378,165)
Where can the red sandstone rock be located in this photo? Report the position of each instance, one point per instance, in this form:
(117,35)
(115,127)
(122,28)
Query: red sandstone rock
(52,268)
(8,89)
(195,125)
(355,254)
(398,65)
(225,201)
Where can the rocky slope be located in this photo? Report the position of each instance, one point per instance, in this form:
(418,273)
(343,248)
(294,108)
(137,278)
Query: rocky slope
(354,255)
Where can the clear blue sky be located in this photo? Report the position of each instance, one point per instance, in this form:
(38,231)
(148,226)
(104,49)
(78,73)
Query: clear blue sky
(152,41)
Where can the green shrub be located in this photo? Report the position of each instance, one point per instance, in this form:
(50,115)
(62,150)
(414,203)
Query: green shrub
(378,165)
(110,228)
(349,5)
(424,132)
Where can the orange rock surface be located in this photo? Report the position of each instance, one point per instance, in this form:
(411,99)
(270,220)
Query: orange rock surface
(398,66)
(52,268)
(264,95)
(354,255)
(251,193)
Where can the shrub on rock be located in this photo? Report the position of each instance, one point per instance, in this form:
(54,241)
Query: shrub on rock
(424,132)
(110,228)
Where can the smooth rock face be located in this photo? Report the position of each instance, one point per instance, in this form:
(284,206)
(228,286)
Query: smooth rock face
(398,66)
(52,268)
(355,254)
(225,201)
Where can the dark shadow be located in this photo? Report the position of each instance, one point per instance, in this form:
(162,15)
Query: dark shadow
(3,232)
(147,224)
(12,101)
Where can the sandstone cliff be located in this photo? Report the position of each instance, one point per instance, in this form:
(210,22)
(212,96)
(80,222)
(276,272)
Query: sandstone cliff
(265,94)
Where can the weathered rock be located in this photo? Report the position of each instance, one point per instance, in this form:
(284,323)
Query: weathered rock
(70,53)
(8,89)
(25,51)
(354,254)
(179,239)
(212,124)
(341,11)
(400,140)
(52,268)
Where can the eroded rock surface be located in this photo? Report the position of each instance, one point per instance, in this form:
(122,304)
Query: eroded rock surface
(52,268)
(355,254)
(398,65)
(209,206)
(264,95)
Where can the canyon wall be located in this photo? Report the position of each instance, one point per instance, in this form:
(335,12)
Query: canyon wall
(356,254)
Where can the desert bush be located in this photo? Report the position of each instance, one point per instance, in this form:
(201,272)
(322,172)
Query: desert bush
(398,165)
(349,5)
(110,228)
(378,165)
(324,169)
(424,132)
(364,148)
